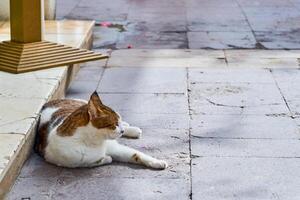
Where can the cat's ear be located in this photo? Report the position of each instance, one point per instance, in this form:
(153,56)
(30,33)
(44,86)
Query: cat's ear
(95,99)
(94,106)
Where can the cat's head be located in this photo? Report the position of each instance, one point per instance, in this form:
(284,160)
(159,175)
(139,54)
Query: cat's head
(103,118)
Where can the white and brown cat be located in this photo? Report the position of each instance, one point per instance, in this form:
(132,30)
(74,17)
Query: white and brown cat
(75,133)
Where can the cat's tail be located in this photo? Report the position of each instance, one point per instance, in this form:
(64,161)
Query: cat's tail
(123,153)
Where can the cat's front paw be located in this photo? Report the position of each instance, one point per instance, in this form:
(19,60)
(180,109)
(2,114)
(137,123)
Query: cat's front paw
(133,132)
(159,164)
(137,132)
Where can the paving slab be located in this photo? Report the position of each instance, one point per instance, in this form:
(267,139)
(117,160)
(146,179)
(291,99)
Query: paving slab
(265,3)
(216,19)
(279,40)
(294,107)
(244,127)
(147,103)
(219,147)
(220,109)
(87,74)
(143,80)
(82,87)
(267,63)
(19,126)
(221,40)
(212,3)
(79,95)
(53,73)
(262,59)
(40,188)
(287,80)
(26,109)
(36,168)
(9,144)
(153,40)
(65,7)
(105,37)
(157,4)
(167,58)
(16,89)
(272,18)
(158,121)
(172,53)
(288,89)
(286,75)
(117,10)
(229,75)
(147,18)
(236,98)
(296,3)
(245,178)
(122,188)
(259,53)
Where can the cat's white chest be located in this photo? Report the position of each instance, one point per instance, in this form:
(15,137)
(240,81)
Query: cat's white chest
(73,151)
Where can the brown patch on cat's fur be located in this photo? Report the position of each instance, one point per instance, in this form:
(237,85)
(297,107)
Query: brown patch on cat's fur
(66,108)
(76,119)
(64,103)
(73,112)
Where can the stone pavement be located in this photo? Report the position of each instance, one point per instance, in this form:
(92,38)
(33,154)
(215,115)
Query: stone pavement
(227,133)
(210,24)
(227,125)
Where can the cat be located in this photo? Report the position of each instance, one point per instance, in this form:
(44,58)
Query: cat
(76,133)
(49,9)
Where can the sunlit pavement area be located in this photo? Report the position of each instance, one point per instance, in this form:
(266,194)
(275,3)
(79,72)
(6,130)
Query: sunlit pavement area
(228,131)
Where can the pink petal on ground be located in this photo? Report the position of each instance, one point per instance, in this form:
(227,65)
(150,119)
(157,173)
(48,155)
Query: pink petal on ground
(105,24)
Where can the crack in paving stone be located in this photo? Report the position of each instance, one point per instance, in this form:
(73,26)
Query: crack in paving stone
(281,93)
(112,46)
(259,45)
(262,157)
(223,105)
(279,115)
(195,156)
(19,120)
(189,131)
(242,138)
(155,93)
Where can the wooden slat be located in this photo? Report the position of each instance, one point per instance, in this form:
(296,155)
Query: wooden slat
(52,58)
(17,58)
(33,68)
(37,51)
(51,54)
(8,48)
(3,60)
(12,58)
(75,59)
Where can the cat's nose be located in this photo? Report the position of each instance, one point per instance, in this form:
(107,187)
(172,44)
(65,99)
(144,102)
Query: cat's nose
(122,131)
